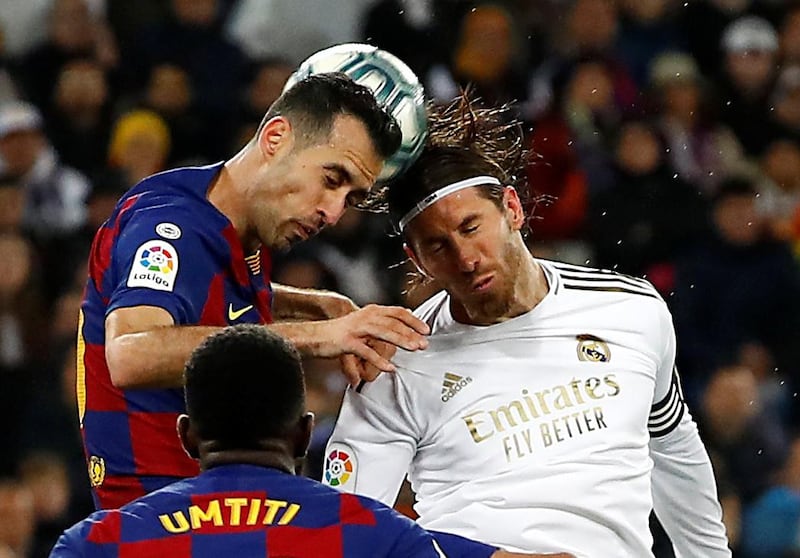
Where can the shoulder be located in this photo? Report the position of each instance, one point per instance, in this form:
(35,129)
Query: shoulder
(599,283)
(428,310)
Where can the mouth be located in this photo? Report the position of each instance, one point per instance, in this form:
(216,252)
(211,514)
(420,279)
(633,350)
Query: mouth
(482,284)
(305,232)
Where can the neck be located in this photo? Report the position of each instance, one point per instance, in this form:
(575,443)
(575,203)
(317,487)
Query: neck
(226,193)
(273,454)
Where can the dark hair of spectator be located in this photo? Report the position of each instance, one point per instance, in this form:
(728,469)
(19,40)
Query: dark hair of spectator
(313,103)
(244,385)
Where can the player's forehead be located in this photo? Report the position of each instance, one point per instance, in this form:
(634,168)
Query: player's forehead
(451,212)
(351,146)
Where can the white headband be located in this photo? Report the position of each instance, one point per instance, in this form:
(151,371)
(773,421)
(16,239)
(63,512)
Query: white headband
(446,191)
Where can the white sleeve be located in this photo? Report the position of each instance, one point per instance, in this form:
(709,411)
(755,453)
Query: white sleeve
(683,486)
(374,441)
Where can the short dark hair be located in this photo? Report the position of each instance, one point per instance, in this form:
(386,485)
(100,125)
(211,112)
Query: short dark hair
(313,103)
(465,140)
(243,385)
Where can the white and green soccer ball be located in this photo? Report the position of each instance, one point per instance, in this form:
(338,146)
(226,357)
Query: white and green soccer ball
(396,88)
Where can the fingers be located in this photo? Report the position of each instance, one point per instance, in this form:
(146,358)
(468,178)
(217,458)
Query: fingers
(403,315)
(351,368)
(393,325)
(371,357)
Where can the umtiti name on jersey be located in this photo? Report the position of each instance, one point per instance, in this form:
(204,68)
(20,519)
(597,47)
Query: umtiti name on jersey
(226,512)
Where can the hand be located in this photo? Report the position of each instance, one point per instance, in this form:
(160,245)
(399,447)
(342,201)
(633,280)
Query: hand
(371,334)
(506,554)
(356,369)
(335,305)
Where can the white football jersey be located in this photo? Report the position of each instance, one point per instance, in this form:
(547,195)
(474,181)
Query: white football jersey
(540,433)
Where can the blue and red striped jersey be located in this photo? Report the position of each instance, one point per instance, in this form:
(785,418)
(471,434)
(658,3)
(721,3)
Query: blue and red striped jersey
(164,245)
(248,511)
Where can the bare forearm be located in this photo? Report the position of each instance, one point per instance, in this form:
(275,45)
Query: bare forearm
(154,358)
(292,303)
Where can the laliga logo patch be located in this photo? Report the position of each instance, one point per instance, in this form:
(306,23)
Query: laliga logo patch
(155,266)
(592,349)
(340,465)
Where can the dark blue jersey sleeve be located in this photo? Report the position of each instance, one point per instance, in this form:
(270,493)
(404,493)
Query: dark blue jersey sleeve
(409,538)
(455,546)
(71,544)
(166,256)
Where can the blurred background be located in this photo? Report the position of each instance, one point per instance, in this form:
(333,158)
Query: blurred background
(666,131)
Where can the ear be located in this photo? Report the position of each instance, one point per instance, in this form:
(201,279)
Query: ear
(276,133)
(414,259)
(188,436)
(302,436)
(513,207)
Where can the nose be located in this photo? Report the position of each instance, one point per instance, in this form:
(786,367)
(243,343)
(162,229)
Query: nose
(332,208)
(467,257)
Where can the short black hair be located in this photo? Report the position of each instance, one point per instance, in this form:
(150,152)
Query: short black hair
(243,385)
(313,103)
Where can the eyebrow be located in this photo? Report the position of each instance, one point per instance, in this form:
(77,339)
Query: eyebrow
(344,174)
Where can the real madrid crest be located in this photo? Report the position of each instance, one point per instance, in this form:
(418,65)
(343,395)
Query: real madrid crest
(97,470)
(592,349)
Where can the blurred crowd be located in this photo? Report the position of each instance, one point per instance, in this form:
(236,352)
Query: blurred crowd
(665,143)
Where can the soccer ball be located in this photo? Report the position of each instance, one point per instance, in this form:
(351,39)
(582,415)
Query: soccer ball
(395,86)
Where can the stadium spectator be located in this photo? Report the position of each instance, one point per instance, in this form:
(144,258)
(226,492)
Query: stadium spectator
(772,523)
(73,32)
(216,67)
(651,215)
(779,186)
(140,145)
(19,518)
(743,434)
(55,194)
(697,148)
(750,46)
(721,301)
(79,115)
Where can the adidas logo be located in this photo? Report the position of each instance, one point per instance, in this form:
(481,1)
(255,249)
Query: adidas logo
(452,384)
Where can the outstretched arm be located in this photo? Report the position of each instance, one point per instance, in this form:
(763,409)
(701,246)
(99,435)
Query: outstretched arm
(133,335)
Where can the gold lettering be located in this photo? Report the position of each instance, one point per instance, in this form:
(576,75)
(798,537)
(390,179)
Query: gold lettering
(291,511)
(591,385)
(577,422)
(611,382)
(546,438)
(562,399)
(598,415)
(472,423)
(505,410)
(557,432)
(542,403)
(587,420)
(529,402)
(507,448)
(212,513)
(272,509)
(575,383)
(255,508)
(236,505)
(182,524)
